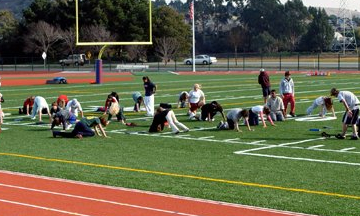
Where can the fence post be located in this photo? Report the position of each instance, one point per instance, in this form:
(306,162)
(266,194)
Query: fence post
(298,61)
(32,63)
(318,62)
(228,65)
(15,64)
(280,61)
(261,60)
(338,61)
(175,64)
(359,62)
(158,66)
(243,61)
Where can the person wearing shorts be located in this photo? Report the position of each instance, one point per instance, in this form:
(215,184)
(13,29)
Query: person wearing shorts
(350,117)
(196,100)
(264,81)
(166,115)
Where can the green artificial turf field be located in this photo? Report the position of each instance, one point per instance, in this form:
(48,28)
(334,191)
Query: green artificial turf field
(287,167)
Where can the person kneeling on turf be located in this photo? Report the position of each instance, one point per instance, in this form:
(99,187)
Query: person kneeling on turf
(83,128)
(161,116)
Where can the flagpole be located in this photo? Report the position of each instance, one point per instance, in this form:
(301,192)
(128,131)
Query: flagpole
(193,35)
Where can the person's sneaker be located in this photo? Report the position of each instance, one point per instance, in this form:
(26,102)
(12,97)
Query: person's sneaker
(187,130)
(20,111)
(354,138)
(339,136)
(68,126)
(176,132)
(219,125)
(293,115)
(33,118)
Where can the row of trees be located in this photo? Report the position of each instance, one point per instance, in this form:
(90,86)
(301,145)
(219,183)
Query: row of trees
(221,26)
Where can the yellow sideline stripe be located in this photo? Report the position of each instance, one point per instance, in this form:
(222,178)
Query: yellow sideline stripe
(185,176)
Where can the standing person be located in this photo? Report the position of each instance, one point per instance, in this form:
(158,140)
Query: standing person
(351,104)
(209,110)
(75,107)
(166,115)
(233,117)
(138,99)
(264,81)
(1,112)
(27,106)
(83,128)
(276,106)
(325,104)
(183,99)
(149,100)
(257,111)
(196,100)
(40,107)
(287,92)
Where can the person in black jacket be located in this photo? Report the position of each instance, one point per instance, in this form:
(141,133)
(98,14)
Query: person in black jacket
(166,115)
(209,110)
(264,81)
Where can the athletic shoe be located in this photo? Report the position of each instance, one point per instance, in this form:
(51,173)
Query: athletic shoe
(293,115)
(176,132)
(354,138)
(339,136)
(33,118)
(20,111)
(68,126)
(187,130)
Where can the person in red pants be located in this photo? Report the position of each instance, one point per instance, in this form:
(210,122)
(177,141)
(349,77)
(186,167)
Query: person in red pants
(287,92)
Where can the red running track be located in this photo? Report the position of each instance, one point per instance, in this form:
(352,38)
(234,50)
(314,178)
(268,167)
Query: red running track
(22,194)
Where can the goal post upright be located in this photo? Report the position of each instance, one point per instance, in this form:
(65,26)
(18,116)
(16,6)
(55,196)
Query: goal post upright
(105,44)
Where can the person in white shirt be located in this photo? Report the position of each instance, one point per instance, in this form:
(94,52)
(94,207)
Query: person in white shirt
(74,107)
(351,104)
(196,100)
(325,104)
(257,111)
(276,106)
(287,93)
(233,117)
(40,107)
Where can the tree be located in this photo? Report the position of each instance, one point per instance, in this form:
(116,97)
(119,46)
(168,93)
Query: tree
(319,34)
(8,27)
(167,23)
(136,53)
(237,37)
(166,48)
(96,33)
(265,43)
(68,39)
(41,37)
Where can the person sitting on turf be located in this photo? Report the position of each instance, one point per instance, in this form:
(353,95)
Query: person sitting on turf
(83,128)
(183,100)
(276,106)
(325,104)
(233,117)
(27,106)
(40,107)
(65,118)
(166,115)
(257,111)
(138,99)
(209,110)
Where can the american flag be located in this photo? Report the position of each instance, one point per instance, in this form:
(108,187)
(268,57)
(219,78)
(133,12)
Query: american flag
(191,10)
